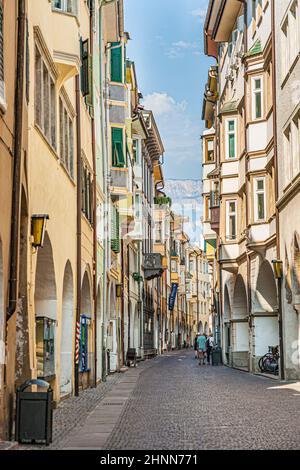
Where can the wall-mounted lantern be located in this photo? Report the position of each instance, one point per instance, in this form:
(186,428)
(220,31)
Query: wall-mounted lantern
(38,228)
(278,271)
(119,290)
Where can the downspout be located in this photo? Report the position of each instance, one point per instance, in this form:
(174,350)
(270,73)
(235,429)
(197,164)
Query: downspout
(106,192)
(17,152)
(249,293)
(95,243)
(78,255)
(274,98)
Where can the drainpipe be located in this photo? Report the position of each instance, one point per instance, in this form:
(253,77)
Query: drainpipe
(78,270)
(17,152)
(274,97)
(106,190)
(95,242)
(249,294)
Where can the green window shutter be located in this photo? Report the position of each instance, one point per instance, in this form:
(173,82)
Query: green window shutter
(118,158)
(84,71)
(116,62)
(115,230)
(89,96)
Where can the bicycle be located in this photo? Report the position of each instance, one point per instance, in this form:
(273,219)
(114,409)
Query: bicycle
(270,361)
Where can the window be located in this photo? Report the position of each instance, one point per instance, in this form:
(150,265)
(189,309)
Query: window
(66,138)
(207,215)
(295,134)
(210,154)
(231,220)
(287,154)
(116,63)
(87,192)
(231,150)
(118,159)
(66,6)
(158,232)
(115,230)
(85,71)
(259,200)
(136,151)
(290,38)
(2,87)
(257,98)
(45,100)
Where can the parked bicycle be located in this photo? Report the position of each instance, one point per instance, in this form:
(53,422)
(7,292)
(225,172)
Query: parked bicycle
(270,361)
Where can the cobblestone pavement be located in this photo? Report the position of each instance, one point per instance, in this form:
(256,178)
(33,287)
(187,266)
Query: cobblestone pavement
(178,404)
(173,403)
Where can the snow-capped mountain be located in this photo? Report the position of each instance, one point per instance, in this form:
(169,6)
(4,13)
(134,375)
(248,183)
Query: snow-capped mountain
(186,198)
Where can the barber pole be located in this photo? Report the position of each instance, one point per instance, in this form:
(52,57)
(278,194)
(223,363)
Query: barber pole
(77,342)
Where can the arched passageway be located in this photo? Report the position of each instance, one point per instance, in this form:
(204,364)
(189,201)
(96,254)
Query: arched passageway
(265,326)
(45,302)
(67,332)
(240,325)
(86,334)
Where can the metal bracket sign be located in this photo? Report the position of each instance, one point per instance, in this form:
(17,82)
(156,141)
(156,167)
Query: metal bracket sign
(172,297)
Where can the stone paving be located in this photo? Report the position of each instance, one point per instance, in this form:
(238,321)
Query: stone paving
(173,403)
(181,405)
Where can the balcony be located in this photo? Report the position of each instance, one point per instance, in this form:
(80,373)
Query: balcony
(119,181)
(153,265)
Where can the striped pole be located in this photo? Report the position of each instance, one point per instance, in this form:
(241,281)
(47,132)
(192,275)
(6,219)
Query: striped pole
(77,342)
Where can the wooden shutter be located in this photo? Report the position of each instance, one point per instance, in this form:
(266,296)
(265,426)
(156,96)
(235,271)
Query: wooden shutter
(115,230)
(84,50)
(118,159)
(116,62)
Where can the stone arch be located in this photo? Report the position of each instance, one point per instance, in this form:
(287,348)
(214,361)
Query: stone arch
(45,303)
(239,305)
(296,264)
(288,279)
(206,331)
(86,296)
(67,331)
(200,328)
(136,329)
(99,333)
(266,290)
(227,308)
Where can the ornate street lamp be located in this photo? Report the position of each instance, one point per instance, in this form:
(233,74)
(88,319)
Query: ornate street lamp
(278,272)
(38,228)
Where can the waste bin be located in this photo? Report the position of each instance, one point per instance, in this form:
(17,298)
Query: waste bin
(34,414)
(216,357)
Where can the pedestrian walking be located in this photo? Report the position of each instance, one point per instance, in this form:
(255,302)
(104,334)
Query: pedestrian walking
(196,346)
(201,343)
(209,347)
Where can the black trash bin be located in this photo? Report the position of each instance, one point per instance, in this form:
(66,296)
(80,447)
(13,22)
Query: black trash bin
(34,414)
(216,357)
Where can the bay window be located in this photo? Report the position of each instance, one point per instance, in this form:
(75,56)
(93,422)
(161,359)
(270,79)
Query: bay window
(231,220)
(45,100)
(66,138)
(259,199)
(231,139)
(257,98)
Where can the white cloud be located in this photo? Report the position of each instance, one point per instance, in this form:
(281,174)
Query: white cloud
(199,13)
(162,103)
(180,132)
(179,48)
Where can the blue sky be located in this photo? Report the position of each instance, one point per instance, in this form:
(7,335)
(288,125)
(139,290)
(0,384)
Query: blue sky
(167,48)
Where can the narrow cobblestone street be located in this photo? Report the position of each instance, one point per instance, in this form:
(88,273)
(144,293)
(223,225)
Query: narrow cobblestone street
(173,403)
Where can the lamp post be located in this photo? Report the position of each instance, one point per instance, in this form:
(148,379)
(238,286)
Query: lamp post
(278,272)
